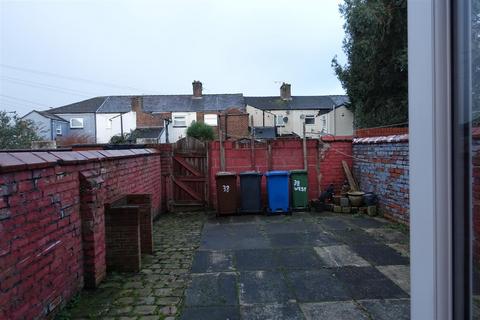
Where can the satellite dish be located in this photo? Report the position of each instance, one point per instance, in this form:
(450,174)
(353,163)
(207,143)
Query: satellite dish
(302,116)
(285,119)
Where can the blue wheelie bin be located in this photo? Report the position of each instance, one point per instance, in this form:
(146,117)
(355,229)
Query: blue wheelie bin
(278,192)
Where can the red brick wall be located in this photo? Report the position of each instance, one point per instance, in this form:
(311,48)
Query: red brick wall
(49,245)
(378,132)
(323,160)
(145,119)
(234,122)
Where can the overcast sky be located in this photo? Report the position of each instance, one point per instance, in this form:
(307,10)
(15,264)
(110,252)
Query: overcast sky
(57,52)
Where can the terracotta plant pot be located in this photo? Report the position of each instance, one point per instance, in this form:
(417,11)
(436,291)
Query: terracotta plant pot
(356,198)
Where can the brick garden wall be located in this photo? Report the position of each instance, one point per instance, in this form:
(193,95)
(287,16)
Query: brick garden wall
(381,166)
(52,224)
(380,132)
(323,159)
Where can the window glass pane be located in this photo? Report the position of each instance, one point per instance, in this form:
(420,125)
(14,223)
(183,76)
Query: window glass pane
(466,151)
(309,119)
(475,161)
(179,121)
(76,123)
(279,121)
(210,119)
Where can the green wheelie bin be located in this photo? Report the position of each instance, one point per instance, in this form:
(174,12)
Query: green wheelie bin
(299,187)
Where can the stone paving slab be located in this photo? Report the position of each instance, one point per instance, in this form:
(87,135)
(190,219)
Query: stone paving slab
(400,275)
(291,227)
(331,223)
(218,289)
(298,258)
(212,261)
(344,310)
(255,259)
(380,254)
(288,311)
(368,283)
(387,309)
(340,256)
(317,285)
(388,235)
(263,287)
(354,237)
(211,313)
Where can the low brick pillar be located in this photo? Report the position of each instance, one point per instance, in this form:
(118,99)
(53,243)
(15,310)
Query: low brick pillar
(92,199)
(144,203)
(122,237)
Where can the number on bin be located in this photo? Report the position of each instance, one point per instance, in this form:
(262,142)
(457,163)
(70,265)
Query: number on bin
(226,188)
(298,187)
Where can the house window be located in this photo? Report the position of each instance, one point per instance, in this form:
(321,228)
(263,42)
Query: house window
(310,119)
(179,121)
(76,123)
(324,121)
(210,119)
(279,121)
(59,130)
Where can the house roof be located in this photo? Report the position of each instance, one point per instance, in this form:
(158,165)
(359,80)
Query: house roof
(155,103)
(297,102)
(208,102)
(180,103)
(47,115)
(147,132)
(85,106)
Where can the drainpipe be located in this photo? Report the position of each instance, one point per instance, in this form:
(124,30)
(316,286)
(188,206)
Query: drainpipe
(121,124)
(334,120)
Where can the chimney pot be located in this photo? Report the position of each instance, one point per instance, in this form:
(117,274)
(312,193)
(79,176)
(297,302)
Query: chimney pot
(197,89)
(286,91)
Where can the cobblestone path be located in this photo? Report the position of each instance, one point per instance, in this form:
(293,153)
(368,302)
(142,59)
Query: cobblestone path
(156,291)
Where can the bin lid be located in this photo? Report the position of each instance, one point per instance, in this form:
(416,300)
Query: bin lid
(225,173)
(298,171)
(250,173)
(277,173)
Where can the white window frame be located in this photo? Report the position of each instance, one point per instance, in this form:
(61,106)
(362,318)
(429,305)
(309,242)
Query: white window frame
(279,120)
(58,130)
(211,119)
(309,116)
(175,119)
(430,161)
(77,126)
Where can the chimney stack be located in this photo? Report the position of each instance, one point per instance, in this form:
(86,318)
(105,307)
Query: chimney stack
(137,103)
(286,91)
(197,89)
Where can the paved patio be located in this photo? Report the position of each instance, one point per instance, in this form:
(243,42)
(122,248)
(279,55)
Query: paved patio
(304,266)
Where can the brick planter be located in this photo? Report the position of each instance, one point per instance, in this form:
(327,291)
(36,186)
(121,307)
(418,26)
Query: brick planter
(122,237)
(144,204)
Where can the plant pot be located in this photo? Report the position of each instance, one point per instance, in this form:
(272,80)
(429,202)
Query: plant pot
(370,199)
(356,198)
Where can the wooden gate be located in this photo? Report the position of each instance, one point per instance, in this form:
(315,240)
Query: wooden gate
(190,175)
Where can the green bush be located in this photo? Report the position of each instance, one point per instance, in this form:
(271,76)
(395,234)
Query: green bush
(16,133)
(200,131)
